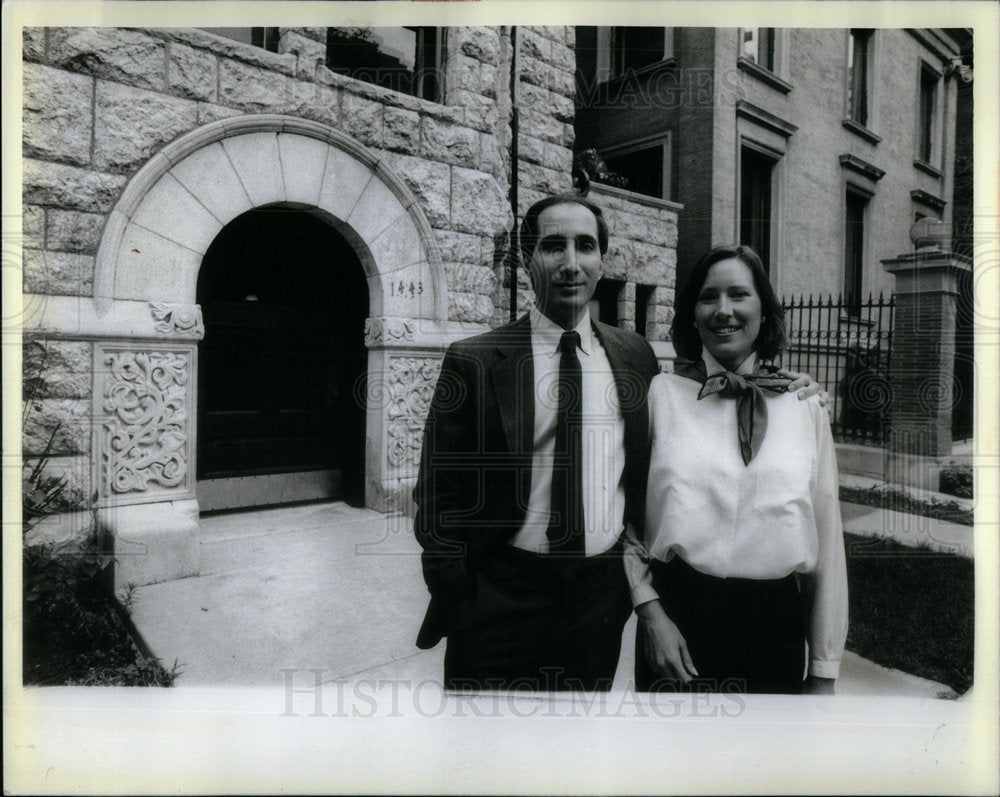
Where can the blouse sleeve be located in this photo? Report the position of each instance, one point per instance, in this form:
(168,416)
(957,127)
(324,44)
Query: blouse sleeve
(636,560)
(828,618)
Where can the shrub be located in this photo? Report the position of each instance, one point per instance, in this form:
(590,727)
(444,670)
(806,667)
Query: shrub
(957,480)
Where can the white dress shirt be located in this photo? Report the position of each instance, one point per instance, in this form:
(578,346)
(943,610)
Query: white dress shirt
(776,516)
(603,456)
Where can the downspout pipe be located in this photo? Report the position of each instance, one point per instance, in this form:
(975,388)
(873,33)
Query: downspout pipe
(514,257)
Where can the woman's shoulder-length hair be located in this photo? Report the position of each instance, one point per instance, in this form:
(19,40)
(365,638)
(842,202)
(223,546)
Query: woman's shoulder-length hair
(770,342)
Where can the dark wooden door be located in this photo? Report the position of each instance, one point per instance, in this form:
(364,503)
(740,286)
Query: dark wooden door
(282,366)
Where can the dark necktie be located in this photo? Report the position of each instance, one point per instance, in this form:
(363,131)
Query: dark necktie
(748,390)
(566,529)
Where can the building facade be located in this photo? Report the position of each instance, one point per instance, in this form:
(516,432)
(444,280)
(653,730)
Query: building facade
(818,147)
(245,251)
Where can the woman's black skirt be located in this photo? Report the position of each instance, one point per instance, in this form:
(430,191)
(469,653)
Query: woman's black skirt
(744,635)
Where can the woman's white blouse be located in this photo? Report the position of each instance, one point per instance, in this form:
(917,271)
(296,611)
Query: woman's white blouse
(778,515)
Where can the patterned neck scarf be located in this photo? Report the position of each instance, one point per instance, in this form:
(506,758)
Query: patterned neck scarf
(748,390)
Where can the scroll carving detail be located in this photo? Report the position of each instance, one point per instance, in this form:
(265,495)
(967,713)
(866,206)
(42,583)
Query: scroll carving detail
(380,331)
(147,431)
(179,320)
(409,392)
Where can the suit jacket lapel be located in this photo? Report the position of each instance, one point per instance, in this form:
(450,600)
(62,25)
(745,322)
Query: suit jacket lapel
(514,387)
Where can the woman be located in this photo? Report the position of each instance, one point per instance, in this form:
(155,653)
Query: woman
(743,555)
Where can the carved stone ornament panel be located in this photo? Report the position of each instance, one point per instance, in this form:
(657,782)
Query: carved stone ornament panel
(145,430)
(388,331)
(410,387)
(177,320)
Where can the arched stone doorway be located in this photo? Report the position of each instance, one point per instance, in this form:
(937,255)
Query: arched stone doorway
(281,369)
(148,323)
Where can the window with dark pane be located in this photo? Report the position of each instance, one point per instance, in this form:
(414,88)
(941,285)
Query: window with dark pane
(634,48)
(758,45)
(604,304)
(854,240)
(265,37)
(404,59)
(928,99)
(859,69)
(643,296)
(643,169)
(755,203)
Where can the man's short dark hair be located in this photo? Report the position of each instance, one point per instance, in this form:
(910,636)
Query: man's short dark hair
(529,225)
(771,340)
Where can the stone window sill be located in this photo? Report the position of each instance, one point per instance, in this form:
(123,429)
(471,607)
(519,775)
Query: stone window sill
(862,131)
(924,166)
(763,75)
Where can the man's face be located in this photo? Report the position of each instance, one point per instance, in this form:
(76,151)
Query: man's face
(566,263)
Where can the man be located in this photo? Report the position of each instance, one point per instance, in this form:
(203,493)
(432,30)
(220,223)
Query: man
(527,477)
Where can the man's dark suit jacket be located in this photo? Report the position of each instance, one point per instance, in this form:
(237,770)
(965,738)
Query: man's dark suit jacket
(475,471)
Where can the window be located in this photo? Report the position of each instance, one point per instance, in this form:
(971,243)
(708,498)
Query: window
(646,168)
(854,241)
(604,304)
(758,45)
(634,48)
(622,50)
(407,59)
(928,102)
(859,75)
(265,37)
(755,203)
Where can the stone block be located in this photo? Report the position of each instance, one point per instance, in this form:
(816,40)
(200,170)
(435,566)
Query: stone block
(55,184)
(429,181)
(569,35)
(461,247)
(57,114)
(152,268)
(562,56)
(132,124)
(401,130)
(308,52)
(542,125)
(64,422)
(33,226)
(58,273)
(303,161)
(75,474)
(208,175)
(121,55)
(255,158)
(491,81)
(300,99)
(408,292)
(73,231)
(251,88)
(449,143)
(171,211)
(492,157)
(397,246)
(473,279)
(344,180)
(210,112)
(481,43)
(152,542)
(192,73)
(33,44)
(558,158)
(561,108)
(478,204)
(362,119)
(533,44)
(545,180)
(57,368)
(325,106)
(661,314)
(464,73)
(562,83)
(375,210)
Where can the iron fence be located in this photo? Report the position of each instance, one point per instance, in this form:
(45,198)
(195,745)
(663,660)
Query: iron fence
(847,347)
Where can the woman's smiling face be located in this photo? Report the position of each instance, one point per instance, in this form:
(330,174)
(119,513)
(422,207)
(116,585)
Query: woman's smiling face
(728,312)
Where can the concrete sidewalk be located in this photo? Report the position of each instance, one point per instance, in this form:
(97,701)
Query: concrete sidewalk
(337,589)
